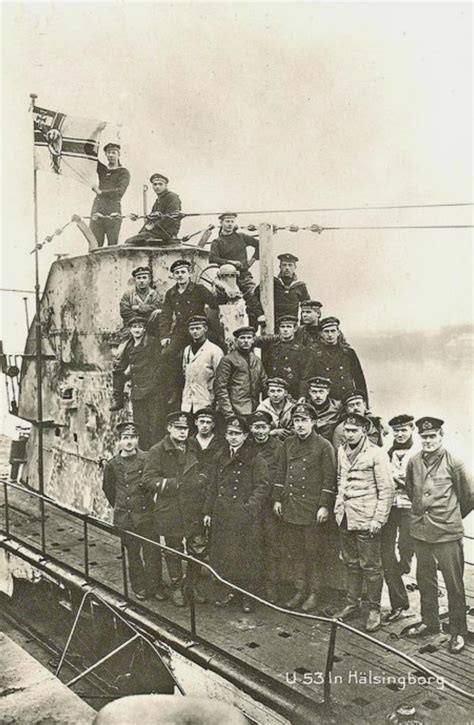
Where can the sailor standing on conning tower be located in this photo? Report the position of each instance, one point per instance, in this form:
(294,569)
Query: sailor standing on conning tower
(113,183)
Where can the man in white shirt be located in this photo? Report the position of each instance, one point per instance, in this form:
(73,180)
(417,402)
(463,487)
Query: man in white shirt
(200,361)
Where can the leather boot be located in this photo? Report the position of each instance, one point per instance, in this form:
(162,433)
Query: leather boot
(348,612)
(177,596)
(117,403)
(296,600)
(310,603)
(373,620)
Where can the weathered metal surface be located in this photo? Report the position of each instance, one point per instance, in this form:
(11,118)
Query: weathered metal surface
(81,325)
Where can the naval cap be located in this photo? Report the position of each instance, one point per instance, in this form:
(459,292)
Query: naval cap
(112,146)
(235,422)
(304,409)
(180,263)
(227,214)
(141,270)
(287,257)
(137,319)
(353,395)
(399,421)
(127,427)
(280,382)
(178,419)
(328,322)
(314,304)
(248,330)
(156,175)
(205,413)
(356,419)
(197,320)
(319,382)
(427,424)
(287,318)
(260,416)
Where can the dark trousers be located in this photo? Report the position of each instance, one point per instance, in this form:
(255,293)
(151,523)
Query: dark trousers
(148,414)
(361,552)
(172,372)
(305,549)
(392,567)
(246,283)
(109,228)
(406,545)
(196,545)
(150,239)
(449,556)
(272,530)
(144,560)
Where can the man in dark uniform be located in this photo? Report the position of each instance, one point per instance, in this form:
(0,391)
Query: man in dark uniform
(113,183)
(269,448)
(206,444)
(284,358)
(142,300)
(182,301)
(173,477)
(125,492)
(336,360)
(159,229)
(327,409)
(355,401)
(308,333)
(231,247)
(303,498)
(233,509)
(288,291)
(240,377)
(140,362)
(442,495)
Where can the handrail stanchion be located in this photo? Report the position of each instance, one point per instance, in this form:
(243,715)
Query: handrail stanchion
(43,527)
(86,548)
(7,511)
(192,610)
(124,569)
(329,662)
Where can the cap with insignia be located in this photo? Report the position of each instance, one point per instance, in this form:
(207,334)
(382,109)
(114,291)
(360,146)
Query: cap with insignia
(356,419)
(319,382)
(429,425)
(314,304)
(353,395)
(238,423)
(137,318)
(141,270)
(111,146)
(205,413)
(400,420)
(328,322)
(287,318)
(159,176)
(127,427)
(178,419)
(244,331)
(260,416)
(226,215)
(197,320)
(180,263)
(277,381)
(287,257)
(304,409)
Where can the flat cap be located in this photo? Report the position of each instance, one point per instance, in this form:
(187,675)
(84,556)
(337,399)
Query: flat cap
(356,419)
(328,322)
(277,381)
(428,424)
(260,416)
(227,214)
(304,409)
(235,422)
(244,331)
(178,419)
(137,318)
(319,382)
(311,303)
(353,395)
(112,145)
(287,318)
(158,176)
(205,412)
(127,427)
(198,320)
(180,263)
(287,257)
(400,420)
(141,270)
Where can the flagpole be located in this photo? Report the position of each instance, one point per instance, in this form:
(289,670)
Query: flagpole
(38,340)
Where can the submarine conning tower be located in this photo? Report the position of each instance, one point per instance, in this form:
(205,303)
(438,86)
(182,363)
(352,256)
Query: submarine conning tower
(81,325)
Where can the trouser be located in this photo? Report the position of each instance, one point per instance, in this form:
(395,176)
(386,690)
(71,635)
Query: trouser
(150,239)
(449,556)
(272,546)
(172,372)
(406,545)
(245,283)
(148,415)
(196,545)
(391,566)
(109,228)
(144,560)
(361,552)
(305,548)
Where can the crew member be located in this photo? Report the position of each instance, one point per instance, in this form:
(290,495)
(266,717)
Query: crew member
(288,290)
(160,229)
(206,444)
(200,361)
(442,495)
(365,492)
(308,333)
(278,405)
(173,478)
(355,401)
(327,409)
(142,300)
(125,492)
(113,183)
(284,358)
(232,511)
(240,377)
(231,247)
(303,498)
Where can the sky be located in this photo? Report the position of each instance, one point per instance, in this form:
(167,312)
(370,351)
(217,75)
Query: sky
(262,106)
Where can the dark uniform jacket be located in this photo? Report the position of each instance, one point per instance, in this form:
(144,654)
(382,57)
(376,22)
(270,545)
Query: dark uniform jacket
(328,415)
(239,381)
(206,456)
(232,246)
(306,478)
(113,184)
(125,491)
(146,305)
(442,495)
(178,308)
(144,362)
(234,501)
(287,360)
(166,203)
(173,477)
(270,452)
(286,298)
(341,365)
(307,335)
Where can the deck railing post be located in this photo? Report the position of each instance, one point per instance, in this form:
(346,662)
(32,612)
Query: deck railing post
(329,663)
(86,549)
(7,512)
(124,569)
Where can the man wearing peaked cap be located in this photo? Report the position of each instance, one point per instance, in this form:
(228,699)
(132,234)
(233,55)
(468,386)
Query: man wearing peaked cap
(308,334)
(282,357)
(180,263)
(355,401)
(288,291)
(142,299)
(160,229)
(442,494)
(327,409)
(287,257)
(246,330)
(200,361)
(113,183)
(124,490)
(278,405)
(400,421)
(230,247)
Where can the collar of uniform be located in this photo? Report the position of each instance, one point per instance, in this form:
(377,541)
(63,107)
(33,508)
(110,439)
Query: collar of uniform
(168,444)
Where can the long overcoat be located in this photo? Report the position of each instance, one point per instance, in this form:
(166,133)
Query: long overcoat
(125,491)
(234,502)
(341,365)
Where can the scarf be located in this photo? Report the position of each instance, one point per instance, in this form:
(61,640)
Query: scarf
(352,453)
(400,446)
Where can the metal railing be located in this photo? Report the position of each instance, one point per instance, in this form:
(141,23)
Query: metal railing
(90,521)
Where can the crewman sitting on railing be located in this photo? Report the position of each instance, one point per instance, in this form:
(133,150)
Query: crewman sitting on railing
(159,229)
(231,246)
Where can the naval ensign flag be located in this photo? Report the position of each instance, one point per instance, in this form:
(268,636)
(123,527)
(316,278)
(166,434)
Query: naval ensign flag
(67,145)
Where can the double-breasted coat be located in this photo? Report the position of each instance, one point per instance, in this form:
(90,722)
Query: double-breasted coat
(234,502)
(125,491)
(178,307)
(341,365)
(287,360)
